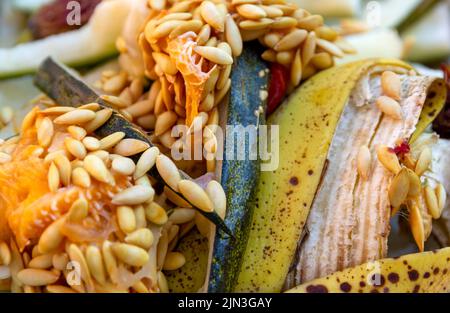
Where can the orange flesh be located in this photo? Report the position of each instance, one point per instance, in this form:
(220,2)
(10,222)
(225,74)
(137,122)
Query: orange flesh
(27,206)
(191,67)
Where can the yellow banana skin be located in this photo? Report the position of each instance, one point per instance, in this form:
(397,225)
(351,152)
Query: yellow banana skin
(419,272)
(307,122)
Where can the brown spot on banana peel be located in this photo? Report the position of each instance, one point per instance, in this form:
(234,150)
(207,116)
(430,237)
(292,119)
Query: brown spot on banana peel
(401,275)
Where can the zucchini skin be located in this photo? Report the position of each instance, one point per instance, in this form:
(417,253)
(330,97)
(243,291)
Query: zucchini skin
(239,177)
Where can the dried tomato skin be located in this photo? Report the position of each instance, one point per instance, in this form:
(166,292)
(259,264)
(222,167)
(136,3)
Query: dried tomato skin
(51,19)
(277,86)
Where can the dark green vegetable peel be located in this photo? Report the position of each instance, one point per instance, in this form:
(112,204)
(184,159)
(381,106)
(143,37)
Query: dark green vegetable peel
(66,88)
(239,177)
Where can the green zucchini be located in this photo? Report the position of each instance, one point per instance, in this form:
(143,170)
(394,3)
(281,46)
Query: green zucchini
(239,177)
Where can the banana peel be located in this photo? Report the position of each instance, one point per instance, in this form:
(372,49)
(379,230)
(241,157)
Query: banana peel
(420,272)
(307,122)
(191,276)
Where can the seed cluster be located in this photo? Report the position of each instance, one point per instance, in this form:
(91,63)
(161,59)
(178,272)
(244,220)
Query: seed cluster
(145,226)
(215,32)
(424,199)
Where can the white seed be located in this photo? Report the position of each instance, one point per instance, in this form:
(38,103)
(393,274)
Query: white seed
(130,254)
(37,277)
(173,261)
(389,107)
(80,177)
(76,132)
(75,147)
(217,196)
(415,186)
(251,11)
(441,195)
(424,161)
(134,195)
(45,132)
(233,36)
(164,61)
(164,122)
(76,255)
(78,211)
(212,16)
(363,162)
(51,238)
(156,214)
(168,171)
(142,238)
(291,40)
(399,188)
(114,101)
(388,159)
(43,261)
(214,54)
(296,69)
(91,143)
(391,84)
(95,263)
(124,166)
(110,260)
(146,162)
(64,168)
(53,178)
(97,168)
(182,215)
(195,195)
(130,146)
(111,140)
(5,254)
(126,219)
(141,221)
(75,117)
(59,289)
(60,260)
(330,48)
(101,117)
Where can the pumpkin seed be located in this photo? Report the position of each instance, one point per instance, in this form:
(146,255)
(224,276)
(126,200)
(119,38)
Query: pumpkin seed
(168,171)
(181,216)
(391,84)
(389,107)
(59,289)
(415,186)
(53,178)
(94,261)
(388,159)
(364,162)
(97,169)
(162,283)
(45,132)
(5,254)
(43,261)
(441,195)
(75,117)
(134,195)
(64,168)
(124,166)
(292,40)
(146,161)
(51,237)
(91,143)
(217,195)
(233,36)
(174,260)
(60,260)
(78,211)
(416,225)
(130,254)
(109,258)
(196,195)
(251,11)
(115,101)
(399,188)
(432,202)
(424,161)
(101,117)
(36,277)
(156,214)
(75,147)
(126,219)
(76,255)
(212,16)
(130,146)
(142,238)
(80,177)
(111,140)
(76,132)
(214,54)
